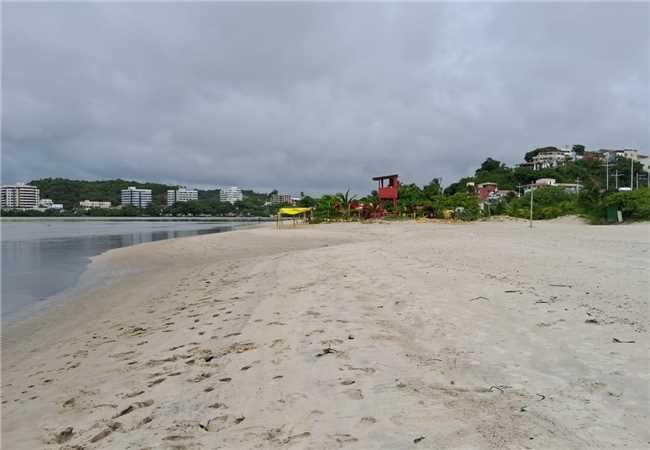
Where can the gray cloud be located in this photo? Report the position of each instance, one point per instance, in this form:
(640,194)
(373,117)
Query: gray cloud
(313,97)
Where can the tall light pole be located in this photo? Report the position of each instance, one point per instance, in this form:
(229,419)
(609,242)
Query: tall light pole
(631,174)
(531,206)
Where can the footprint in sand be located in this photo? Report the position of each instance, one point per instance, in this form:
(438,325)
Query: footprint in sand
(368,420)
(132,394)
(62,436)
(354,394)
(215,424)
(315,332)
(132,407)
(106,431)
(343,438)
(277,342)
(295,437)
(155,382)
(200,377)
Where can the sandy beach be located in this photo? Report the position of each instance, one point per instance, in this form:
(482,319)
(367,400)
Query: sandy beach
(360,336)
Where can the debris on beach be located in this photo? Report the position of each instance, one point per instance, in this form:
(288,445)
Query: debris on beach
(619,341)
(499,387)
(418,439)
(326,351)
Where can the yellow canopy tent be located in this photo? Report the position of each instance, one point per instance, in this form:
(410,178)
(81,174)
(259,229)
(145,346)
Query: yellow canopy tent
(305,213)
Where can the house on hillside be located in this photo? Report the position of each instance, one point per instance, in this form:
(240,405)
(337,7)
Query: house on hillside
(572,188)
(626,153)
(489,193)
(549,159)
(483,190)
(593,156)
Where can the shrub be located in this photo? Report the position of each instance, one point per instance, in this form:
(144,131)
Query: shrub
(469,203)
(548,203)
(634,205)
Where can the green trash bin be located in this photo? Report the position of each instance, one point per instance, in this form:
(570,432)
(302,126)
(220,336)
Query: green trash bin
(612,214)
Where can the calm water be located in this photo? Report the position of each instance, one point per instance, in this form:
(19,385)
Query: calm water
(42,258)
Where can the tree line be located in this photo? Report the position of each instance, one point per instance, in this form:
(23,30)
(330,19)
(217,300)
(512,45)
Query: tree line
(429,200)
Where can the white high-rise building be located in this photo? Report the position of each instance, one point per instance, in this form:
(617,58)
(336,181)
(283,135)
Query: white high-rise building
(140,198)
(181,195)
(231,194)
(19,195)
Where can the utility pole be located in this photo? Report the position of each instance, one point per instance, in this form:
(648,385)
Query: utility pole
(631,174)
(616,175)
(578,186)
(607,174)
(637,180)
(531,206)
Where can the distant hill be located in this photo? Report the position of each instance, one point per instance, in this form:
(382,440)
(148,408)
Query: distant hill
(71,192)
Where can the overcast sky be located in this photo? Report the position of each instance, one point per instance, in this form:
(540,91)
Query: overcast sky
(314,97)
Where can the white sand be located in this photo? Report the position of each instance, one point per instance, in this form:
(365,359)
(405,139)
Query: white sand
(355,336)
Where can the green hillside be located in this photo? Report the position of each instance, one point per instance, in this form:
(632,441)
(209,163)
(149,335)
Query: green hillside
(71,192)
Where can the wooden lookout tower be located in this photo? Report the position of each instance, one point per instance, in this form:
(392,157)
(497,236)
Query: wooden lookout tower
(387,188)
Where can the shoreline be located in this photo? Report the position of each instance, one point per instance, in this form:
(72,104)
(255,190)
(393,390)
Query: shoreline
(88,275)
(139,218)
(345,335)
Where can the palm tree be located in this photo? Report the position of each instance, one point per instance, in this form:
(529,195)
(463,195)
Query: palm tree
(346,200)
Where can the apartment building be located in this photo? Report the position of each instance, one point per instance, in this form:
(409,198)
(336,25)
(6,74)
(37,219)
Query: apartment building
(231,194)
(19,196)
(181,195)
(140,198)
(48,203)
(89,204)
(281,199)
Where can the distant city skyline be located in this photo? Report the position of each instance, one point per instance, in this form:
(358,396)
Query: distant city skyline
(313,97)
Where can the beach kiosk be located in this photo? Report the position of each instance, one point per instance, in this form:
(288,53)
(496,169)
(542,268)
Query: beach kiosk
(299,215)
(387,189)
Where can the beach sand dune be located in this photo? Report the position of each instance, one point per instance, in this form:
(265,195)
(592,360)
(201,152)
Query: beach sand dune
(360,336)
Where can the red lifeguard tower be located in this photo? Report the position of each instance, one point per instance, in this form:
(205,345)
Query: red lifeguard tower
(387,188)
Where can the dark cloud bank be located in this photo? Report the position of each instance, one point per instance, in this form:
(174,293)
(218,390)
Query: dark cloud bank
(313,97)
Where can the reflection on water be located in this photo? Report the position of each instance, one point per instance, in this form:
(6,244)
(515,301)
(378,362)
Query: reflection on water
(37,268)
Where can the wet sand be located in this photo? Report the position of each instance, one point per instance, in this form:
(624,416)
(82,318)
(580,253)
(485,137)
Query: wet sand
(409,335)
